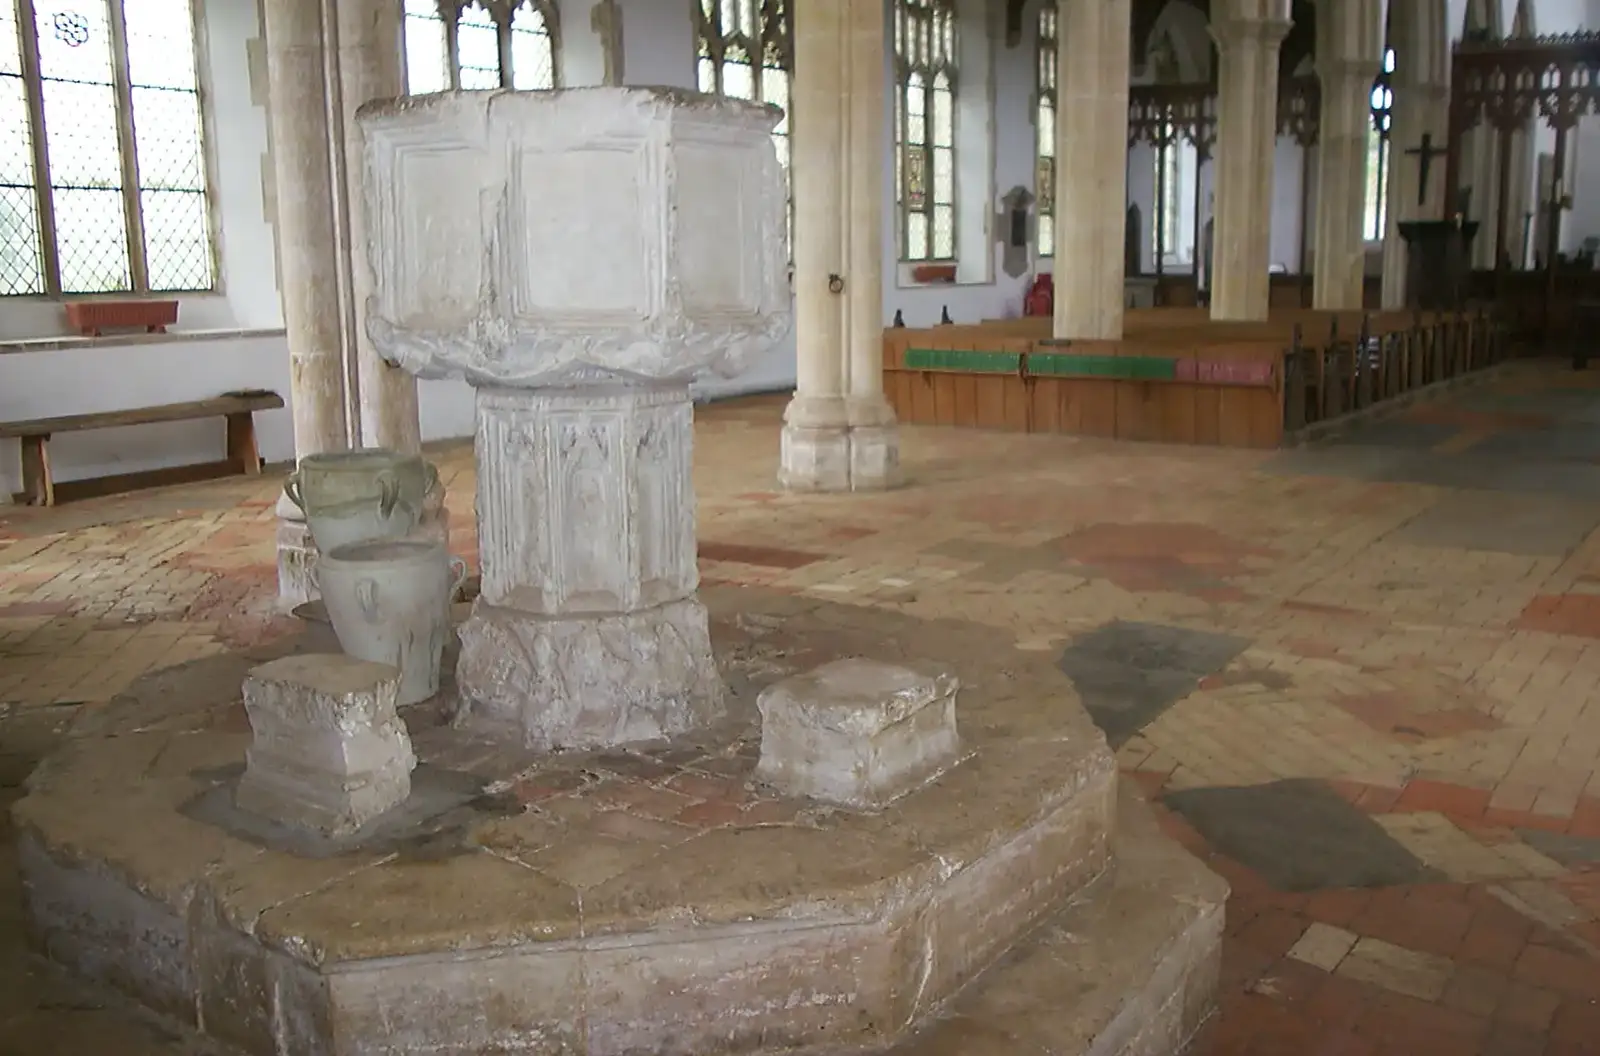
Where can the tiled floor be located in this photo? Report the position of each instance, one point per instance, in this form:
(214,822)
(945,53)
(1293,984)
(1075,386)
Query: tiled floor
(1361,679)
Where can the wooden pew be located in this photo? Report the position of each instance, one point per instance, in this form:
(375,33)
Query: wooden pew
(1176,376)
(1158,384)
(243,457)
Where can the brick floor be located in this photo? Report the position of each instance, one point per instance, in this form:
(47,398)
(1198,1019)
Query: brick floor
(1452,696)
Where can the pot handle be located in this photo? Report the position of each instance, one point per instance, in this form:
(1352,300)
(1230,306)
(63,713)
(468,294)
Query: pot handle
(367,598)
(430,477)
(291,488)
(311,574)
(458,576)
(391,493)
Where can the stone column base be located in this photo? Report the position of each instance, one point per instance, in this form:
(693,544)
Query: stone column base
(297,556)
(591,681)
(839,458)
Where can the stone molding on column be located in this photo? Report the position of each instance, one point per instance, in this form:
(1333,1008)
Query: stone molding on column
(839,431)
(1248,37)
(1093,46)
(578,256)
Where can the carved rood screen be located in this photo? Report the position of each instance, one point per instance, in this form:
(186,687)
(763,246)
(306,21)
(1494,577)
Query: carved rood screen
(1505,83)
(1164,114)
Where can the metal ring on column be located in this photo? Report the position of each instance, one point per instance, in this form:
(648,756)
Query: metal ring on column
(835,283)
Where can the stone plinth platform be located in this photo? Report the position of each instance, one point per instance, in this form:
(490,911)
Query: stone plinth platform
(655,900)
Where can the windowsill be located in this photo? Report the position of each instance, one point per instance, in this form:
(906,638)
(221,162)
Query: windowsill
(904,270)
(181,296)
(957,285)
(75,341)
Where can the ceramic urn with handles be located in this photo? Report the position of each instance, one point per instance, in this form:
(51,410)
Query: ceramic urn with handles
(354,496)
(389,602)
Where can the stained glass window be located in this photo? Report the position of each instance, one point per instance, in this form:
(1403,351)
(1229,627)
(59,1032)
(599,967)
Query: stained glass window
(103,185)
(746,51)
(925,127)
(1045,131)
(1382,106)
(479,44)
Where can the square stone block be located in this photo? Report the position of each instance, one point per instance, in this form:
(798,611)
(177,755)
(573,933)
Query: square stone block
(328,752)
(857,732)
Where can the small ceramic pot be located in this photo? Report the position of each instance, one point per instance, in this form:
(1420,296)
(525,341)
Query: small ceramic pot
(353,496)
(389,601)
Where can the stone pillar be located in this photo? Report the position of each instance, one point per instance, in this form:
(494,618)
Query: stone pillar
(1349,53)
(1092,166)
(630,238)
(874,436)
(839,432)
(369,49)
(308,262)
(1248,35)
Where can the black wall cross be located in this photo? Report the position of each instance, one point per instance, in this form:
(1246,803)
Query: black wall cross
(1425,152)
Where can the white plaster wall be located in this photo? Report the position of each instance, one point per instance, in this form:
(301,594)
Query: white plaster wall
(1288,160)
(33,384)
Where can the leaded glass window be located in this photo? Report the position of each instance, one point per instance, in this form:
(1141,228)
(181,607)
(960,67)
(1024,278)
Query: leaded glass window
(480,44)
(103,182)
(925,128)
(1045,131)
(746,51)
(1382,106)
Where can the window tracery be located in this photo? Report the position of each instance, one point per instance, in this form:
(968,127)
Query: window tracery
(925,139)
(481,44)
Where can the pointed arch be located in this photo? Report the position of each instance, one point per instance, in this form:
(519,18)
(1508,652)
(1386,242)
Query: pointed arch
(1483,18)
(1522,22)
(1183,33)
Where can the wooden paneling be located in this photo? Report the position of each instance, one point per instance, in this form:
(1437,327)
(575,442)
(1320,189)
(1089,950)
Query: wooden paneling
(1176,377)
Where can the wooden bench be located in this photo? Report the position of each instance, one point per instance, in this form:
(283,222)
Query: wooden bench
(39,487)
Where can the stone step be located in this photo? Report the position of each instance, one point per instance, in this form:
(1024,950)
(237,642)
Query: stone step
(1127,968)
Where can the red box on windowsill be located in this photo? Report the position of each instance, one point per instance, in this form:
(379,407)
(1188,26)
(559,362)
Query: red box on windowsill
(91,318)
(933,273)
